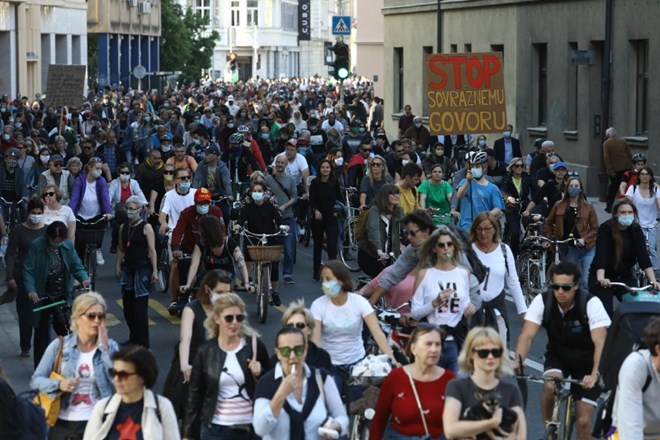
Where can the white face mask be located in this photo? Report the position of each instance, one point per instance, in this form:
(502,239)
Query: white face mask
(214,297)
(97,173)
(44,159)
(405,162)
(124,177)
(339,161)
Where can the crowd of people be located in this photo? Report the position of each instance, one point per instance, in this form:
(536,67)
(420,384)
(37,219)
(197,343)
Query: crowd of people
(176,168)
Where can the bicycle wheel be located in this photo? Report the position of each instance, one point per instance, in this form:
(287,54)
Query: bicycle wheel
(550,433)
(163,271)
(347,246)
(262,295)
(534,285)
(90,264)
(355,422)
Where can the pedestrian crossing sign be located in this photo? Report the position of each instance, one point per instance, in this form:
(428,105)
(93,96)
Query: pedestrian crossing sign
(341,25)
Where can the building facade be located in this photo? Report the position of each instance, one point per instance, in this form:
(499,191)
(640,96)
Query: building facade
(369,31)
(35,34)
(127,34)
(554,55)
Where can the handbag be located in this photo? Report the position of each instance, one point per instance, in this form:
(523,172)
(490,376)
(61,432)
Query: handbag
(51,406)
(419,404)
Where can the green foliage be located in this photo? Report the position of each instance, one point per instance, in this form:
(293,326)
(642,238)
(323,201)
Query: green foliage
(93,61)
(185,43)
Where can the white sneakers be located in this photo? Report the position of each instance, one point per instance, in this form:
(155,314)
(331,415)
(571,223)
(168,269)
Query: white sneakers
(99,258)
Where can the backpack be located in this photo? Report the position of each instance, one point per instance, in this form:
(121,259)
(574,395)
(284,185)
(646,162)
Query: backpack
(624,336)
(583,299)
(360,225)
(29,417)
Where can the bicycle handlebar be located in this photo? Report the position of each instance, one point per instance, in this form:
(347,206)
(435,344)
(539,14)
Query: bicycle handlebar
(551,241)
(90,223)
(544,378)
(633,290)
(284,230)
(7,202)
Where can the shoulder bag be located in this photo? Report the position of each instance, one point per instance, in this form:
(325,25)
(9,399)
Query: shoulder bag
(51,406)
(419,404)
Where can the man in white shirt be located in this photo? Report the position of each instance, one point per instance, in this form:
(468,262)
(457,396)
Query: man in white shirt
(176,200)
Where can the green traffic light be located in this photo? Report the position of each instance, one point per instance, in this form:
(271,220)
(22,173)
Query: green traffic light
(342,73)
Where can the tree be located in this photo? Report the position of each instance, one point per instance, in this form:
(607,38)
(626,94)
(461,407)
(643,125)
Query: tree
(186,43)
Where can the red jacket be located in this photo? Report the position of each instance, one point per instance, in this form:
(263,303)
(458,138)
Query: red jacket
(186,232)
(256,152)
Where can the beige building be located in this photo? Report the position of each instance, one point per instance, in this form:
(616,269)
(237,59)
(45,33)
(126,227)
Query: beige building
(35,34)
(553,61)
(369,31)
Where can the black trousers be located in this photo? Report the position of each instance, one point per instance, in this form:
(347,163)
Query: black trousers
(330,227)
(66,430)
(372,266)
(613,189)
(136,314)
(42,333)
(23,310)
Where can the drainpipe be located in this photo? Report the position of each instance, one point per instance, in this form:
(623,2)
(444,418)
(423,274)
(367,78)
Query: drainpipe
(439,28)
(603,178)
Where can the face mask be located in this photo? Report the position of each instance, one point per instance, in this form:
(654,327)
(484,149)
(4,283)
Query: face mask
(339,161)
(313,127)
(405,162)
(265,136)
(418,125)
(507,134)
(202,209)
(168,177)
(626,220)
(54,245)
(6,137)
(439,153)
(574,192)
(147,119)
(302,151)
(477,173)
(19,125)
(331,288)
(35,218)
(197,141)
(125,109)
(482,142)
(165,148)
(124,177)
(11,164)
(257,197)
(361,130)
(97,173)
(214,297)
(184,186)
(44,159)
(197,121)
(230,125)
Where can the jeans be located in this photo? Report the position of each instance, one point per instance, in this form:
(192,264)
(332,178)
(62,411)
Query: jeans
(393,434)
(651,234)
(583,257)
(289,247)
(219,432)
(449,358)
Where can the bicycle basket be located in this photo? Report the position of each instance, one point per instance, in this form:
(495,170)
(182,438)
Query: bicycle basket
(265,253)
(89,236)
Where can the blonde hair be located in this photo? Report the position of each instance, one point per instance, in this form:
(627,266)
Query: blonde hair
(225,301)
(83,303)
(298,307)
(481,336)
(257,176)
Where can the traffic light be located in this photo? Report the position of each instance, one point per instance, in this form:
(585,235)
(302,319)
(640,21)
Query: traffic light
(232,58)
(342,62)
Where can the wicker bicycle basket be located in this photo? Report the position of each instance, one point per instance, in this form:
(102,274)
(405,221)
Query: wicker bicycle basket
(265,253)
(89,236)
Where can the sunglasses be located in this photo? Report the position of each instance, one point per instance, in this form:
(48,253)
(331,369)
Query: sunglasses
(445,245)
(49,194)
(92,316)
(376,164)
(564,287)
(57,164)
(120,375)
(125,173)
(184,177)
(298,325)
(230,318)
(366,150)
(412,233)
(484,352)
(518,165)
(168,172)
(298,350)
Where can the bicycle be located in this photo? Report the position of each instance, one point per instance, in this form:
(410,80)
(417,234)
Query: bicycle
(164,260)
(556,428)
(637,294)
(262,255)
(90,238)
(639,274)
(11,215)
(348,242)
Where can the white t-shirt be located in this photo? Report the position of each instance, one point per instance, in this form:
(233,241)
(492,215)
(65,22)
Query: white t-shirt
(174,203)
(234,406)
(90,205)
(498,278)
(81,402)
(294,168)
(647,208)
(341,327)
(596,313)
(434,282)
(64,215)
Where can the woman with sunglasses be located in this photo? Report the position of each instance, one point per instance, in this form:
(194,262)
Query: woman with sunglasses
(435,194)
(502,274)
(224,375)
(573,216)
(86,353)
(54,211)
(377,176)
(442,292)
(382,228)
(294,399)
(134,411)
(646,197)
(300,317)
(191,335)
(516,190)
(398,414)
(119,190)
(484,359)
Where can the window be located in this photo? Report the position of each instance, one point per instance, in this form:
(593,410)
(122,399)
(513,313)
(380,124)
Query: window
(427,50)
(541,51)
(467,48)
(572,89)
(641,48)
(398,78)
(235,13)
(203,8)
(289,17)
(497,48)
(252,13)
(453,48)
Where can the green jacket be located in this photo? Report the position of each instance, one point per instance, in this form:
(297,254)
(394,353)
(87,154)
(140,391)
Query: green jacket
(375,234)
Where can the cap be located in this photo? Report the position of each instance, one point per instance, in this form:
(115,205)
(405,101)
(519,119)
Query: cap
(230,98)
(12,152)
(166,137)
(559,164)
(381,134)
(202,195)
(366,139)
(56,157)
(212,149)
(293,142)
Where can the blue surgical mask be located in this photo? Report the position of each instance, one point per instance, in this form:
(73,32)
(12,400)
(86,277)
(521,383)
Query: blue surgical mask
(477,173)
(131,213)
(626,220)
(331,288)
(257,197)
(202,209)
(147,119)
(507,134)
(418,125)
(184,186)
(482,142)
(574,191)
(230,125)
(302,151)
(265,136)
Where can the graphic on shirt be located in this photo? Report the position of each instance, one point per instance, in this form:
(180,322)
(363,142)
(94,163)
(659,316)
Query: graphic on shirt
(452,305)
(129,429)
(83,392)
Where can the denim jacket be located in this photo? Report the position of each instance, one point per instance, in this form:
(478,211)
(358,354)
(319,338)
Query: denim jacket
(70,352)
(138,280)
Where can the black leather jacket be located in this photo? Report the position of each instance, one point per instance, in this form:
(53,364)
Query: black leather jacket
(204,378)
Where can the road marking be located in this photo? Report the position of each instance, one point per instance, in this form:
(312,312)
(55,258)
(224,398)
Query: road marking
(121,304)
(162,311)
(111,320)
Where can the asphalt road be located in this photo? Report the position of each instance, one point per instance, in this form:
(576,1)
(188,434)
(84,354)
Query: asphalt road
(164,329)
